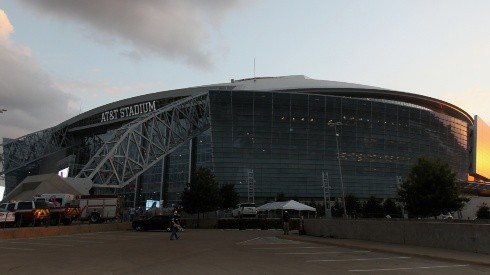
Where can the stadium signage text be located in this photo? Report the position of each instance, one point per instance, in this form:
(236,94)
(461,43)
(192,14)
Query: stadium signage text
(132,110)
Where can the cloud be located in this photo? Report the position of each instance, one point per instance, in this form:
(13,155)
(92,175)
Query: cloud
(27,92)
(178,30)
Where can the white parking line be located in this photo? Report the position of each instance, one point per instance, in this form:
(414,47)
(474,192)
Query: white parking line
(78,241)
(324,252)
(102,238)
(247,241)
(407,268)
(360,259)
(282,247)
(16,248)
(268,241)
(52,244)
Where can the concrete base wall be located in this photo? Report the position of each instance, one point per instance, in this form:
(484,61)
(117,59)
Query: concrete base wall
(448,235)
(28,232)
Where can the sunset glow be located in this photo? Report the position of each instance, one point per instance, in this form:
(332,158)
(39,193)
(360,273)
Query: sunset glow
(482,148)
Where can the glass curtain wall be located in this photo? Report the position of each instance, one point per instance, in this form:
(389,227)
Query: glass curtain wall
(285,138)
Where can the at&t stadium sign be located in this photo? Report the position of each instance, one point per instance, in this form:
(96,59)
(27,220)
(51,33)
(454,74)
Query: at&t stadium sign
(128,111)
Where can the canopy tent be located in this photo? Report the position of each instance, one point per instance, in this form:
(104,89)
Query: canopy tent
(285,205)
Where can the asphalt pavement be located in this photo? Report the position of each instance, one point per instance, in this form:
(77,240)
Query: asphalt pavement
(408,250)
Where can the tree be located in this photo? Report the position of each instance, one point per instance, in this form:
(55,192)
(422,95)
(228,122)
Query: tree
(372,208)
(352,205)
(280,197)
(390,208)
(228,196)
(337,209)
(430,189)
(483,212)
(320,207)
(201,194)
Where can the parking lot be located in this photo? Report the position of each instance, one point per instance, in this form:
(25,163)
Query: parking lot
(206,252)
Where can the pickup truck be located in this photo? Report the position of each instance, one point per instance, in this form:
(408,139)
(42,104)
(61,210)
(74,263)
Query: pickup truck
(31,212)
(63,207)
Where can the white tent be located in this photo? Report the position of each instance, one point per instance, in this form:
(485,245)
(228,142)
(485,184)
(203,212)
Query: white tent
(285,205)
(48,184)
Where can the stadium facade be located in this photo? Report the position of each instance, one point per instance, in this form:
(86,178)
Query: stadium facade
(266,135)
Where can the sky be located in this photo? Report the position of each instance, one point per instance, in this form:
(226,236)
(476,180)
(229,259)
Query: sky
(61,58)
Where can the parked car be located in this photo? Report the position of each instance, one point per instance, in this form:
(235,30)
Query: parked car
(7,218)
(244,210)
(445,216)
(158,222)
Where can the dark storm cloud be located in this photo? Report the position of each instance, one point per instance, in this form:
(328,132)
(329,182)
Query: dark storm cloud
(174,29)
(32,101)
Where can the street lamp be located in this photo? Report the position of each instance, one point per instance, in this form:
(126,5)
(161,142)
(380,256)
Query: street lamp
(335,124)
(2,110)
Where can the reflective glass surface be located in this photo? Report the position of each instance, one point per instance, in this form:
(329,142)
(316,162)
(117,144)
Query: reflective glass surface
(286,140)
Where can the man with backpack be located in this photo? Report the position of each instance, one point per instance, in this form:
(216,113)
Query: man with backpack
(174,224)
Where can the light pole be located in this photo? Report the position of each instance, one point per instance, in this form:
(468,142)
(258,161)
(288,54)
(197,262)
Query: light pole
(335,124)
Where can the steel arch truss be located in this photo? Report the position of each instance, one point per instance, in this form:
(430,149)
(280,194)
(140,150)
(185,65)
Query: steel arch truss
(20,152)
(140,144)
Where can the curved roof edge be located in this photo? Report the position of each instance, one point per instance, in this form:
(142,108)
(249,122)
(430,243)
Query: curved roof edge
(298,83)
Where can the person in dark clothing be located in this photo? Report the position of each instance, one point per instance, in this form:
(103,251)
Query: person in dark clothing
(285,220)
(174,224)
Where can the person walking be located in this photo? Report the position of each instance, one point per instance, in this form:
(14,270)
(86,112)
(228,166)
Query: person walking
(174,224)
(132,212)
(285,221)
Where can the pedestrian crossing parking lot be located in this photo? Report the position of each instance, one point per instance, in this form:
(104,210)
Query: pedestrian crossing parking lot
(206,252)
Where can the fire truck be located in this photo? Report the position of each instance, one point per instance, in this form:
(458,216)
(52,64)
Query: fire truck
(63,208)
(99,208)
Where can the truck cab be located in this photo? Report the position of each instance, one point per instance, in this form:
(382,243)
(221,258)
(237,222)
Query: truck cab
(31,212)
(64,208)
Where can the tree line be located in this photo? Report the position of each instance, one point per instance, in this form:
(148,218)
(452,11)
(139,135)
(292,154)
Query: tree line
(429,189)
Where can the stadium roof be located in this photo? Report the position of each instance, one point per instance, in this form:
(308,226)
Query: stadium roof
(293,83)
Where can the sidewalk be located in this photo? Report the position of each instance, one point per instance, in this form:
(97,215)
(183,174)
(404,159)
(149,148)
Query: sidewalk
(415,251)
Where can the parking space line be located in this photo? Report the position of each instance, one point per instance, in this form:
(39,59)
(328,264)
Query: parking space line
(407,268)
(52,244)
(78,241)
(16,248)
(102,238)
(322,252)
(360,259)
(247,241)
(268,241)
(283,247)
